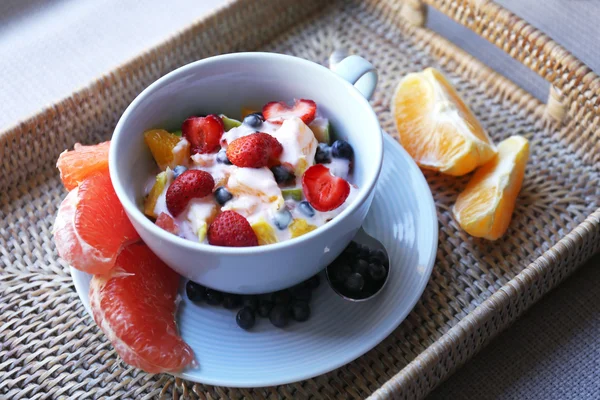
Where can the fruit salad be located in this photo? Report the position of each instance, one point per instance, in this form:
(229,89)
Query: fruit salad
(271,177)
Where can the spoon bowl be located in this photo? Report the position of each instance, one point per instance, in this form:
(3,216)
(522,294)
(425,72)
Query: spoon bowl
(363,238)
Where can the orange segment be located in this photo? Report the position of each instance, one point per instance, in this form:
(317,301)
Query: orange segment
(77,164)
(484,209)
(166,148)
(436,127)
(157,189)
(134,305)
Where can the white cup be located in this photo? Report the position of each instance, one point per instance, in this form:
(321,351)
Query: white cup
(223,85)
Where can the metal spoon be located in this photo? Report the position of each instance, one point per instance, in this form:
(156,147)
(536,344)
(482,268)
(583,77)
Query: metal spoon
(363,238)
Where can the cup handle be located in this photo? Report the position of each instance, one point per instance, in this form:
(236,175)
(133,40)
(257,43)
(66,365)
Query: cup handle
(356,70)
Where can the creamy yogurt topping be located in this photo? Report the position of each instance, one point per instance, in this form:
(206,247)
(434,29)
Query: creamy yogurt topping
(256,194)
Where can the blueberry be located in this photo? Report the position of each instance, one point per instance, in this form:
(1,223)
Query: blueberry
(265,308)
(245,318)
(231,301)
(361,266)
(313,282)
(352,248)
(250,301)
(222,195)
(282,219)
(354,282)
(281,297)
(306,209)
(341,272)
(222,157)
(342,149)
(300,311)
(195,292)
(323,154)
(180,169)
(279,316)
(377,271)
(379,254)
(363,252)
(254,120)
(301,292)
(213,297)
(282,174)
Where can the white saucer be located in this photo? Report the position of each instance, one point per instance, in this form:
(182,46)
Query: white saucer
(403,218)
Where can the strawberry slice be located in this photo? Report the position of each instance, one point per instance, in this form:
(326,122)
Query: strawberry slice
(256,150)
(324,191)
(192,184)
(232,230)
(203,133)
(277,111)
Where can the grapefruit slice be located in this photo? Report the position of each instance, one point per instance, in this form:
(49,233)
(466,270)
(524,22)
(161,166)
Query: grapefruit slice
(77,164)
(484,209)
(134,305)
(436,127)
(91,227)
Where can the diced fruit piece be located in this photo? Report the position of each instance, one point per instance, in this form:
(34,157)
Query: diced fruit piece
(484,209)
(264,232)
(321,129)
(232,230)
(342,149)
(162,145)
(283,174)
(436,127)
(229,123)
(306,209)
(82,161)
(256,150)
(300,227)
(324,191)
(300,311)
(254,182)
(277,111)
(134,305)
(155,192)
(323,154)
(178,133)
(200,213)
(222,195)
(192,184)
(203,133)
(91,226)
(254,120)
(167,223)
(299,145)
(294,194)
(247,111)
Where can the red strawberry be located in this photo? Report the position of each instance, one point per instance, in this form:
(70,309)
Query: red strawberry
(277,111)
(324,191)
(232,230)
(203,133)
(256,150)
(167,223)
(192,184)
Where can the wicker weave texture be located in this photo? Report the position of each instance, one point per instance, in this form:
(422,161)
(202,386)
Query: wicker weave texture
(52,349)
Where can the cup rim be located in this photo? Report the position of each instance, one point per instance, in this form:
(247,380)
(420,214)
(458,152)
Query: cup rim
(136,214)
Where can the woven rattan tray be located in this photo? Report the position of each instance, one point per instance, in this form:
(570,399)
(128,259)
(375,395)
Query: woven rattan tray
(50,347)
